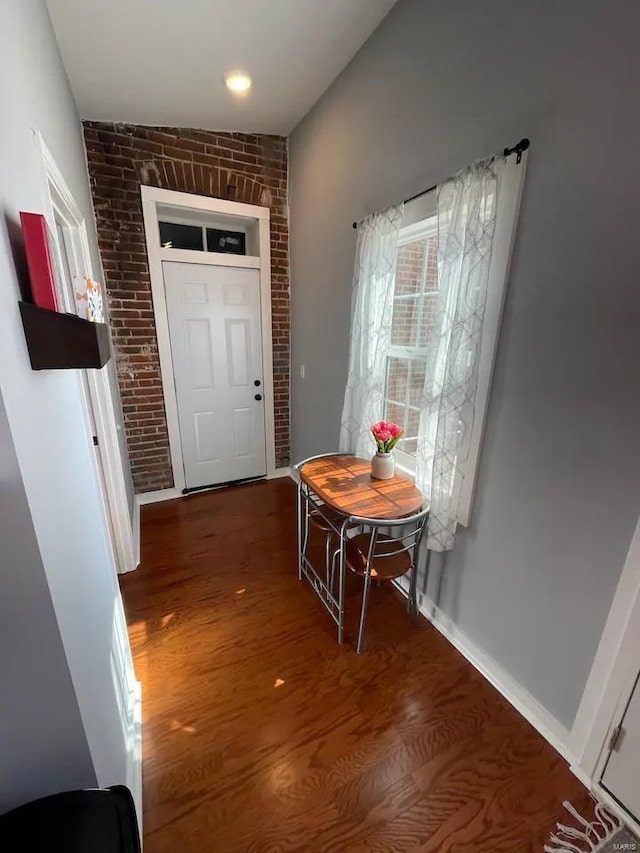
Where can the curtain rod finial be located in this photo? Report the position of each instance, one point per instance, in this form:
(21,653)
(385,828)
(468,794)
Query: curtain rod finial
(517,149)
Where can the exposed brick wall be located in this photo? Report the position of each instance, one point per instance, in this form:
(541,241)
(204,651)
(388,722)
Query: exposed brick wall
(242,167)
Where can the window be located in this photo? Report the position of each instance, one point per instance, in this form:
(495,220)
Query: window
(230,242)
(199,238)
(415,302)
(174,235)
(415,306)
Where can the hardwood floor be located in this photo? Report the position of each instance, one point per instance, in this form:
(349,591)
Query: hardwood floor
(262,734)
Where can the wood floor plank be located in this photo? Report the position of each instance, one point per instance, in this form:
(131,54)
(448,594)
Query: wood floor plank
(261,734)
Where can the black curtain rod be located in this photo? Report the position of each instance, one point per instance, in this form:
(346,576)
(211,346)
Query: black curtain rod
(517,149)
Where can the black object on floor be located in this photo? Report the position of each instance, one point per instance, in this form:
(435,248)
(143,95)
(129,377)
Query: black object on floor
(100,820)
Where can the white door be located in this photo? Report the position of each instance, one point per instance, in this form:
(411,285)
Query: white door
(621,775)
(216,345)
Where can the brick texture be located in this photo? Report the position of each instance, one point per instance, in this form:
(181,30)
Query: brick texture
(242,167)
(414,313)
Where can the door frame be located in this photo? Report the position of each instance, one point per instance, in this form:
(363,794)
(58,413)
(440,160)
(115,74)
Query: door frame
(152,197)
(611,680)
(58,199)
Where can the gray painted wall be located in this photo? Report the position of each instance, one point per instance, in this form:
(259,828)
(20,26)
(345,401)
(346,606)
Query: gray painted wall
(61,724)
(43,747)
(438,85)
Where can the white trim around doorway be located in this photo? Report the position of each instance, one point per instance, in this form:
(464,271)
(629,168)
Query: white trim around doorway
(151,198)
(57,198)
(162,495)
(613,674)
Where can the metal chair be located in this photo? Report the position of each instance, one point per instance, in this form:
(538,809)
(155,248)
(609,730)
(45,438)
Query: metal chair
(384,557)
(321,517)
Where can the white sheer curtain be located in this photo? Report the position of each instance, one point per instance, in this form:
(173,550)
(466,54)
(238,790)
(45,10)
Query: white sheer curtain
(466,223)
(371,313)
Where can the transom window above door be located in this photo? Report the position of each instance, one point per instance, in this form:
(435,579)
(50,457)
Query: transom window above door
(200,238)
(415,303)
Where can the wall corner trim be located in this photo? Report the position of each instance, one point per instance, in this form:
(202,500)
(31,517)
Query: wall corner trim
(136,533)
(613,672)
(279,472)
(157,496)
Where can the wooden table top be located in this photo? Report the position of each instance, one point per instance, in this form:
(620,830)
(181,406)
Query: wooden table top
(345,483)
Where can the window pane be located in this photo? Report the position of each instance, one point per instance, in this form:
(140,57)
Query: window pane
(403,396)
(397,376)
(404,321)
(397,414)
(409,264)
(175,236)
(431,278)
(412,423)
(410,446)
(415,308)
(231,242)
(394,412)
(416,382)
(428,319)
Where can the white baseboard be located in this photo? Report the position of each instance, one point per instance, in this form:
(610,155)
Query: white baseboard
(279,472)
(134,551)
(136,532)
(536,714)
(580,774)
(158,496)
(614,806)
(171,494)
(135,769)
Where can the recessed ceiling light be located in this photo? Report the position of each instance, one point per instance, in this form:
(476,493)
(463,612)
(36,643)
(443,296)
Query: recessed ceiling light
(238,82)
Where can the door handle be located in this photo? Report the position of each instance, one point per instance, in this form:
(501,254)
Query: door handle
(256,382)
(258,397)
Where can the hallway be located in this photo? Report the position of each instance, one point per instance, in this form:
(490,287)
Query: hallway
(262,734)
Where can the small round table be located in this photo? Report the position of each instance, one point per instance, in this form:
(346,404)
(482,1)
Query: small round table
(339,486)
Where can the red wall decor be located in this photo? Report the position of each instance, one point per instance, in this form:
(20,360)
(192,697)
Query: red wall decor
(39,261)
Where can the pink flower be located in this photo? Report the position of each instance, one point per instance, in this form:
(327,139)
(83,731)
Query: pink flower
(385,432)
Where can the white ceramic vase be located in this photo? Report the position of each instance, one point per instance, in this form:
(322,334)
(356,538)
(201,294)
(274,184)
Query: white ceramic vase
(383,466)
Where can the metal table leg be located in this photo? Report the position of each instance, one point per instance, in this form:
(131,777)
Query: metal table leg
(322,583)
(299,543)
(341,580)
(303,527)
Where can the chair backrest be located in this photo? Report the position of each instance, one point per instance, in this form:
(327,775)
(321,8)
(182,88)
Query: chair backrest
(410,530)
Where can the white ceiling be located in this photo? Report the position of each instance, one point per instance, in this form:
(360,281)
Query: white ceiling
(161,62)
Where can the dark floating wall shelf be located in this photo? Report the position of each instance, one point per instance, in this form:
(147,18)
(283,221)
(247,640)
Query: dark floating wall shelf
(59,341)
